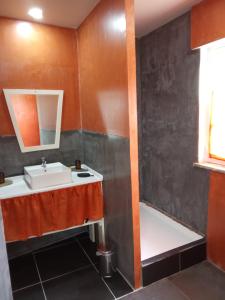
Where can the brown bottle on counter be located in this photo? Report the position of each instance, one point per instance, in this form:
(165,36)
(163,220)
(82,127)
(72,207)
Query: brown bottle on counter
(2,177)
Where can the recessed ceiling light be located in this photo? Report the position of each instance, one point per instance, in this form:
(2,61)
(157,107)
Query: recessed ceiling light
(36,13)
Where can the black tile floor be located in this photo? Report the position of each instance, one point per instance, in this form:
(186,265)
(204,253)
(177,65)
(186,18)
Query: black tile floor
(67,270)
(200,282)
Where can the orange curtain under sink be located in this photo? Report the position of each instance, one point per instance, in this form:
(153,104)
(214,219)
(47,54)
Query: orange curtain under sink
(36,214)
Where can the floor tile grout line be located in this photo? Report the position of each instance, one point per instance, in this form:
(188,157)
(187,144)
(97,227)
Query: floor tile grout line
(133,292)
(108,287)
(36,265)
(34,253)
(95,268)
(67,273)
(145,287)
(125,279)
(26,287)
(88,257)
(39,275)
(180,290)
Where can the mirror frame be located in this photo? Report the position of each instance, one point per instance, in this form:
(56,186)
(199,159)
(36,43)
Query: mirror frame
(59,93)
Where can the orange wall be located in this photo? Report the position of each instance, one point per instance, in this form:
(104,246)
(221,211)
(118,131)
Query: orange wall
(107,78)
(133,133)
(45,59)
(103,72)
(208,22)
(107,68)
(216,219)
(25,108)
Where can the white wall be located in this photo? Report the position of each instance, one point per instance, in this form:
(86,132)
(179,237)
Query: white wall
(5,283)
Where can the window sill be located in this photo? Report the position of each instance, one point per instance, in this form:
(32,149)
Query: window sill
(210,166)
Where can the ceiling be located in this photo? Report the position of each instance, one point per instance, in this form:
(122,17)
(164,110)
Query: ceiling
(149,14)
(65,13)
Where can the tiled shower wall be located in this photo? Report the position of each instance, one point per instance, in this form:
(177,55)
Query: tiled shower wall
(12,160)
(168,124)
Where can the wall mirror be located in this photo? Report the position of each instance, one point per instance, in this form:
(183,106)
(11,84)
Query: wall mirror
(36,117)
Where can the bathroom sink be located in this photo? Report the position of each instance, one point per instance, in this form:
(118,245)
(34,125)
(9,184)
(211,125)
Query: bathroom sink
(55,174)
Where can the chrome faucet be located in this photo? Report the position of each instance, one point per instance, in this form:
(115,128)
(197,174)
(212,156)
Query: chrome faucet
(44,164)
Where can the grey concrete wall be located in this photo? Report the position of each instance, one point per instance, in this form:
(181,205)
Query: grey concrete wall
(12,160)
(168,114)
(109,155)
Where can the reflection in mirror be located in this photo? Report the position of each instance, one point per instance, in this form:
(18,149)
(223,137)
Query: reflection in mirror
(36,117)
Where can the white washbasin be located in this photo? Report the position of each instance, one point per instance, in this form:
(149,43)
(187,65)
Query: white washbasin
(56,174)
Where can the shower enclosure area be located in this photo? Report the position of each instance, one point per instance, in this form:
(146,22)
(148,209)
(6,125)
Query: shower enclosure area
(174,194)
(167,246)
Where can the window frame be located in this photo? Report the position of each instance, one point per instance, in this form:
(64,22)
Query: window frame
(205,100)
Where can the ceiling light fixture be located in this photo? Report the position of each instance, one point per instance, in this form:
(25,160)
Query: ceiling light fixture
(36,13)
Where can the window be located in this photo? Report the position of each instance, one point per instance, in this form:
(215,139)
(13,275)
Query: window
(212,104)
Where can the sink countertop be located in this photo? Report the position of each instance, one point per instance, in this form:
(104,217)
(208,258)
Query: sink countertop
(20,188)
